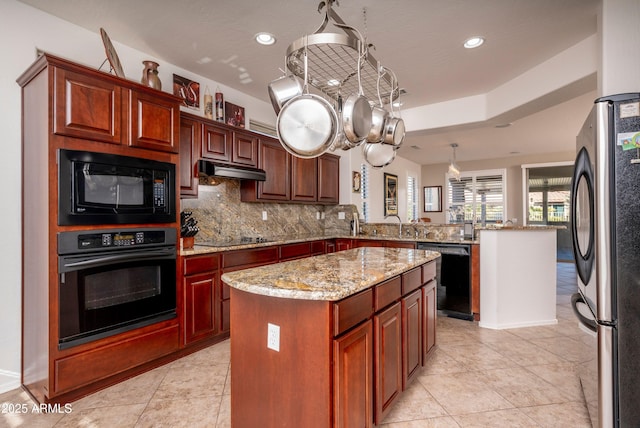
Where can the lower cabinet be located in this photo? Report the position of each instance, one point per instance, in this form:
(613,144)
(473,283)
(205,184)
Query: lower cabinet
(353,380)
(429,309)
(387,327)
(201,297)
(412,336)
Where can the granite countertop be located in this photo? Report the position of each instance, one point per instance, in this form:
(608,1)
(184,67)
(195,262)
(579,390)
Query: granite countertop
(211,248)
(520,228)
(331,276)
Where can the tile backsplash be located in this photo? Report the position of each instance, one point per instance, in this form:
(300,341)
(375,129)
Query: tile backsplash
(222,217)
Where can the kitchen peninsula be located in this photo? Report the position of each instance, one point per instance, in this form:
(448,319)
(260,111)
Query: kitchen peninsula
(330,340)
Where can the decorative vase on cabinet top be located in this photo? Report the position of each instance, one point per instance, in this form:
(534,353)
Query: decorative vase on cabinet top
(150,75)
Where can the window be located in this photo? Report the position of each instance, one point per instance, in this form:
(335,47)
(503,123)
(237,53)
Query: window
(364,191)
(478,196)
(412,199)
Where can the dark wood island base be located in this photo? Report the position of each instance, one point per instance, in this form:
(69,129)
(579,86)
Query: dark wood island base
(301,358)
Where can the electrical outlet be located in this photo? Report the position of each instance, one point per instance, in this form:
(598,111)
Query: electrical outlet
(273,337)
(317,215)
(264,215)
(341,215)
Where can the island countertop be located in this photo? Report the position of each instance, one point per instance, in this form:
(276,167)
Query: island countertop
(330,277)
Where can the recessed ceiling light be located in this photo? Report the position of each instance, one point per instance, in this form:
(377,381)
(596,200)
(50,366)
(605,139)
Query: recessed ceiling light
(333,82)
(265,38)
(473,42)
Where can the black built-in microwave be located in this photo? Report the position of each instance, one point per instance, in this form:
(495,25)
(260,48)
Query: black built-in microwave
(103,188)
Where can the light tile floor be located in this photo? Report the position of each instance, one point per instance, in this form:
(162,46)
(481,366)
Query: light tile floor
(474,378)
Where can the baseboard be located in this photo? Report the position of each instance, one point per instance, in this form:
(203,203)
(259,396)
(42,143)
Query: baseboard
(518,325)
(8,381)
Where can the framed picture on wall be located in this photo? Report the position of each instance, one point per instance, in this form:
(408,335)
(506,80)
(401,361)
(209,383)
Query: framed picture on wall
(433,199)
(390,194)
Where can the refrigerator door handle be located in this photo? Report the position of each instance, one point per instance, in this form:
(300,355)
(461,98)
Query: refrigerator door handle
(590,323)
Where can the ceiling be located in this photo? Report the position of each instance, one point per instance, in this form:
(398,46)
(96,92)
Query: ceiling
(421,40)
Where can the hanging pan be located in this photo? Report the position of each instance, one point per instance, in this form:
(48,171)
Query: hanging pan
(378,115)
(307,124)
(378,155)
(283,89)
(394,129)
(356,111)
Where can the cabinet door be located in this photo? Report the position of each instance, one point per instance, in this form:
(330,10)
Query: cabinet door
(429,317)
(353,384)
(412,336)
(216,143)
(388,359)
(200,306)
(304,179)
(276,161)
(88,107)
(154,122)
(190,136)
(245,149)
(328,179)
(343,244)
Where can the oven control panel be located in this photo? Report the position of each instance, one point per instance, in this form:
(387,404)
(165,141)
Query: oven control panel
(80,241)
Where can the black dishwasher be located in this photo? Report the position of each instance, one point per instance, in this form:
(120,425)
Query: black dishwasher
(453,274)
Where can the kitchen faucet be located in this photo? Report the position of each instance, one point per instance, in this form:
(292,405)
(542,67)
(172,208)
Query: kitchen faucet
(399,223)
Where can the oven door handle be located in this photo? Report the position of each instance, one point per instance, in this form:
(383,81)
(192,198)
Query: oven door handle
(75,263)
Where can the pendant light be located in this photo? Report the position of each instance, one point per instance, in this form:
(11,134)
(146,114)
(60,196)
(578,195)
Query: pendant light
(454,170)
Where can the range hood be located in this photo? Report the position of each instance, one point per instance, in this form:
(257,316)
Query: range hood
(213,169)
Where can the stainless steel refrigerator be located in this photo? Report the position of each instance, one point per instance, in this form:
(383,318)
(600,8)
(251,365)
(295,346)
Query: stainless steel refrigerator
(605,229)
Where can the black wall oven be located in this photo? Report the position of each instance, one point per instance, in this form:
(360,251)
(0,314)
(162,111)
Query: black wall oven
(111,281)
(101,188)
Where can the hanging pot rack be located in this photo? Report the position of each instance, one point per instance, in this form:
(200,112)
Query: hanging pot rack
(331,58)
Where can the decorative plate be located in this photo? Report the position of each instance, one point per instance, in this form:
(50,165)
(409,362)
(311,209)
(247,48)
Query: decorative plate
(112,56)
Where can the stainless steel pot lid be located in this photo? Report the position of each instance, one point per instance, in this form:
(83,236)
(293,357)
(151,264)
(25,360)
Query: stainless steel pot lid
(307,125)
(378,155)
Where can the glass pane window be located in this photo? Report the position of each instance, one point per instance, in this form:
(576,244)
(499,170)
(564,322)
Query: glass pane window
(477,196)
(412,199)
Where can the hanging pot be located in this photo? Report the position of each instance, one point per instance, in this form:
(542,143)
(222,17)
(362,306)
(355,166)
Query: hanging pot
(283,90)
(378,155)
(394,131)
(307,125)
(378,120)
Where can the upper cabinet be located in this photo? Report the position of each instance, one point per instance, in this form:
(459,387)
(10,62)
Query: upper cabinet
(289,178)
(91,105)
(292,179)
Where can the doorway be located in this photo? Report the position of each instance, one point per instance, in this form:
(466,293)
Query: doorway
(546,201)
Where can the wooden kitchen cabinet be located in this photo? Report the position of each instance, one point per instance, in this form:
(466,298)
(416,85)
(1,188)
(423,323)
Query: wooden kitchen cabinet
(429,313)
(202,297)
(244,149)
(328,178)
(216,141)
(276,161)
(343,244)
(387,327)
(89,107)
(353,381)
(190,140)
(153,122)
(292,179)
(412,336)
(304,179)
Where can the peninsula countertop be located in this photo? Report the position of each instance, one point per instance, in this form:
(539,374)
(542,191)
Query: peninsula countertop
(330,277)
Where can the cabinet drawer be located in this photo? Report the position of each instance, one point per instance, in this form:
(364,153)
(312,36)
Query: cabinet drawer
(292,251)
(200,264)
(317,247)
(81,369)
(411,280)
(428,272)
(351,311)
(387,293)
(250,257)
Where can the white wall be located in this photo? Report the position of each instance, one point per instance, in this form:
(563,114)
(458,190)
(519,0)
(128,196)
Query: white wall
(23,30)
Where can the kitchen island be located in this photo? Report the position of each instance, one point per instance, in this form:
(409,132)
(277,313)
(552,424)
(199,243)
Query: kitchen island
(330,340)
